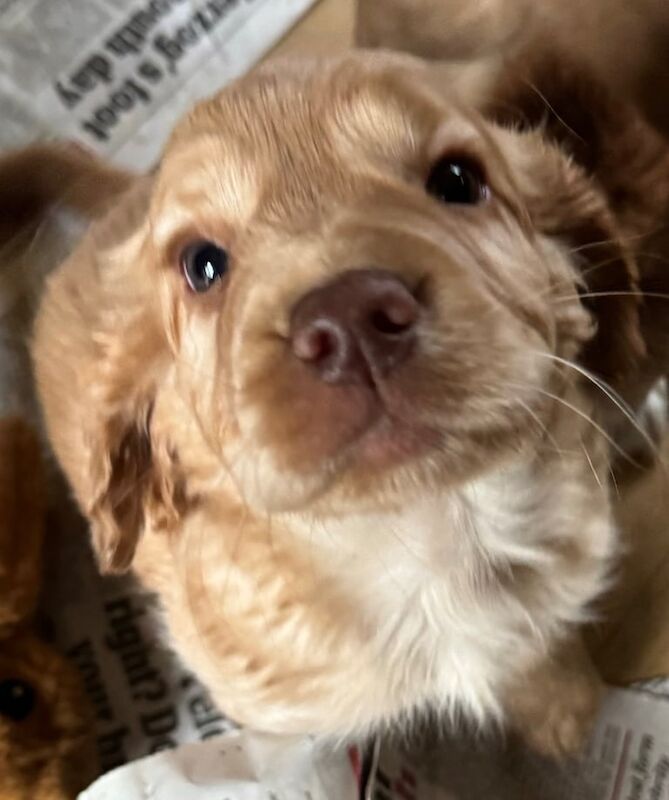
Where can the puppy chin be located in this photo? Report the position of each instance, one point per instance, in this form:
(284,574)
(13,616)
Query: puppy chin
(391,442)
(388,448)
(268,488)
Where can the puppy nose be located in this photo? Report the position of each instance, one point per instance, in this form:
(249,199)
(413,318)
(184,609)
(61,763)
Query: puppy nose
(360,325)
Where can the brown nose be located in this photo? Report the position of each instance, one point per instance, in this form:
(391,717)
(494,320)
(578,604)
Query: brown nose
(359,326)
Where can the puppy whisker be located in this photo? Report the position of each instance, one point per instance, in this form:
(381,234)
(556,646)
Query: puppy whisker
(612,395)
(554,111)
(614,293)
(590,464)
(578,412)
(620,238)
(542,427)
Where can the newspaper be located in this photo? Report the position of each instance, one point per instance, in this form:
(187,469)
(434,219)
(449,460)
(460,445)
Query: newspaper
(117,74)
(242,765)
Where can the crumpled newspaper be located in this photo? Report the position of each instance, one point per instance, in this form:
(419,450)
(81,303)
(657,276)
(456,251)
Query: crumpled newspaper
(627,759)
(117,74)
(240,765)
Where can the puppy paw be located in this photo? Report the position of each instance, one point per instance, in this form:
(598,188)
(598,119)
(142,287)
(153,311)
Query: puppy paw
(555,706)
(563,729)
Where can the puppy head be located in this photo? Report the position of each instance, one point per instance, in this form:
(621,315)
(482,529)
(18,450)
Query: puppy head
(342,288)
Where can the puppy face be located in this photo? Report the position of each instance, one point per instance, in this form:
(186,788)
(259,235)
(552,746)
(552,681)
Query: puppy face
(343,287)
(381,304)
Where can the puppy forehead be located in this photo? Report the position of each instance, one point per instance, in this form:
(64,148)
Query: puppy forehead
(281,130)
(205,178)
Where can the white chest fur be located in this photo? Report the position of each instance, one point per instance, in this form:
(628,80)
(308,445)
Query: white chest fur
(465,591)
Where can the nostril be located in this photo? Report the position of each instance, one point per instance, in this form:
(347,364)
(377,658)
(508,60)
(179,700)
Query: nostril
(395,316)
(391,324)
(383,323)
(360,325)
(316,342)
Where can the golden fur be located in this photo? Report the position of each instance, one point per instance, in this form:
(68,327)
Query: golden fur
(333,559)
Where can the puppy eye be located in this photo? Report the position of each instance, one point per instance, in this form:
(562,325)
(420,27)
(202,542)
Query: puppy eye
(203,263)
(17,699)
(456,180)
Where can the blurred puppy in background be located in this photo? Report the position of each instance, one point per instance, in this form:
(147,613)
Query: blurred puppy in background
(625,44)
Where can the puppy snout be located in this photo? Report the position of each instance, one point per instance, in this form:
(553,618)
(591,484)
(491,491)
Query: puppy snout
(356,328)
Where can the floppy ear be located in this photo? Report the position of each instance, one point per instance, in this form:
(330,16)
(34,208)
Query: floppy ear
(99,348)
(129,482)
(40,177)
(563,203)
(610,290)
(608,178)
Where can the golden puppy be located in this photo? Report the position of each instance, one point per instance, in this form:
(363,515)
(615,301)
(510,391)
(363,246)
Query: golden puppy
(320,382)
